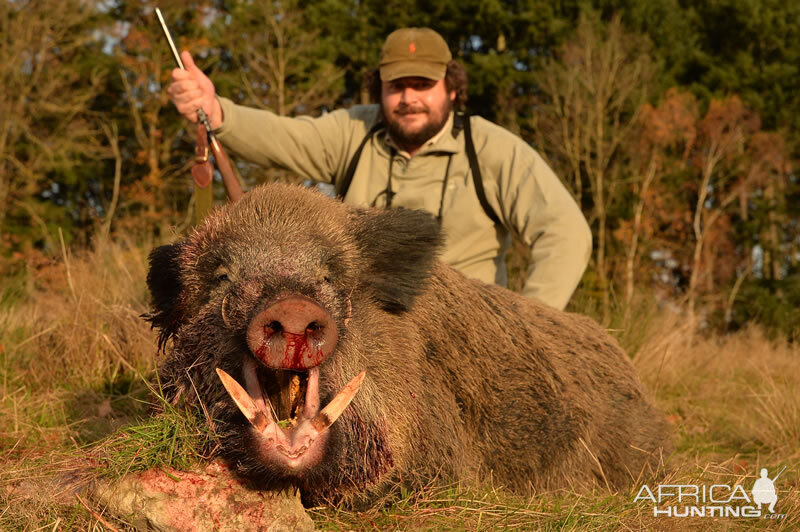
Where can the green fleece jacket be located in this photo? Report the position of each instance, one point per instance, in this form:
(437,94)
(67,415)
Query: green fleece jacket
(521,188)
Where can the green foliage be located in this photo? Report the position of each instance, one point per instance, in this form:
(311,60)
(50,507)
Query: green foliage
(715,48)
(751,48)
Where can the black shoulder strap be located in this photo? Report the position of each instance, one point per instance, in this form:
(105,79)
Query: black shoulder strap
(475,169)
(347,178)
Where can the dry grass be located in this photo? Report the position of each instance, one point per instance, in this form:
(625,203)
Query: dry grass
(75,354)
(72,344)
(727,395)
(73,350)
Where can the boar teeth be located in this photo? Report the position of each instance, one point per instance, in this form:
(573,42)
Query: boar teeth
(243,400)
(310,428)
(331,413)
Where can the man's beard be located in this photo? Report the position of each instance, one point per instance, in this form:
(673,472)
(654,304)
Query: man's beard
(417,138)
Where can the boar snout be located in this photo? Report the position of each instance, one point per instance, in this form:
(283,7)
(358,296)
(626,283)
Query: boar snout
(293,333)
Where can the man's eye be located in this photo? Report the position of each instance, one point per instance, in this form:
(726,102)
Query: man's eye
(422,84)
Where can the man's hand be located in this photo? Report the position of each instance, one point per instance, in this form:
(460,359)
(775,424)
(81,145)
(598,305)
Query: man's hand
(191,89)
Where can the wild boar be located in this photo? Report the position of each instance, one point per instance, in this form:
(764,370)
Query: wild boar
(288,301)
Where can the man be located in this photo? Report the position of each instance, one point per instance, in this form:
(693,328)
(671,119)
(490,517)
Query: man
(411,151)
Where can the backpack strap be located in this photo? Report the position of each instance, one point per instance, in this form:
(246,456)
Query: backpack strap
(475,169)
(347,178)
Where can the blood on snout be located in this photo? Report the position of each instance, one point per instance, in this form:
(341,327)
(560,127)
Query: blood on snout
(292,333)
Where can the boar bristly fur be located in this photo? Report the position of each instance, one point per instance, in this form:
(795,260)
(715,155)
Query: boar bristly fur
(464,381)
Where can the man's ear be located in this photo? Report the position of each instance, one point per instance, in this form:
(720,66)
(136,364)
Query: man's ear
(166,285)
(399,247)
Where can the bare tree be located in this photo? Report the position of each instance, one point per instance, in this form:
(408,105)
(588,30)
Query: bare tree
(670,127)
(279,60)
(723,135)
(594,90)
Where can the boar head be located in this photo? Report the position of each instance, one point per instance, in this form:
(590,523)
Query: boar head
(282,296)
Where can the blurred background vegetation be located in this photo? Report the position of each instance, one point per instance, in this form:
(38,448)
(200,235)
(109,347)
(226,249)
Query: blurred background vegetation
(674,123)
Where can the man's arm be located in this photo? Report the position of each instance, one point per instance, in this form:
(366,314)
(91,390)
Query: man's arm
(535,205)
(314,148)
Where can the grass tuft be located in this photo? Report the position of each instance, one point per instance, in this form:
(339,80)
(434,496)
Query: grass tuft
(175,437)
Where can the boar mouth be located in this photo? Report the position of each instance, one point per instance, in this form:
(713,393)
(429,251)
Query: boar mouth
(294,433)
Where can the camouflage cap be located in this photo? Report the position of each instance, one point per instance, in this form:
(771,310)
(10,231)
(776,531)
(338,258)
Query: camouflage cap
(417,52)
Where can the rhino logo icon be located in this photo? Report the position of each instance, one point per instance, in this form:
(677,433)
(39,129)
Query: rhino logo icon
(764,490)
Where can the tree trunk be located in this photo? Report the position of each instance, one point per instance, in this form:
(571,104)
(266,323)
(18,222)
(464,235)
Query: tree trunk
(700,225)
(112,133)
(694,277)
(732,297)
(630,259)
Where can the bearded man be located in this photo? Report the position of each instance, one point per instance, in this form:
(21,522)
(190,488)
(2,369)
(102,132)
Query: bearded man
(410,149)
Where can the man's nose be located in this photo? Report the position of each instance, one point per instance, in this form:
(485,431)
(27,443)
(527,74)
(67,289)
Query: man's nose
(408,95)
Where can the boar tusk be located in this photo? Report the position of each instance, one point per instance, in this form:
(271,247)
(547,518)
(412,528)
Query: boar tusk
(244,401)
(338,404)
(311,407)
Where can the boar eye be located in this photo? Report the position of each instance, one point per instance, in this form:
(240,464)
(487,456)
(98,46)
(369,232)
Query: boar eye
(221,275)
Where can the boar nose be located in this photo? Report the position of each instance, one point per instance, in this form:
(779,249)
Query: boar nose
(293,333)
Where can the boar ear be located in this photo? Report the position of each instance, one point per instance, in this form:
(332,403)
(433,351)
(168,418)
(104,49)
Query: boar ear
(165,284)
(399,247)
